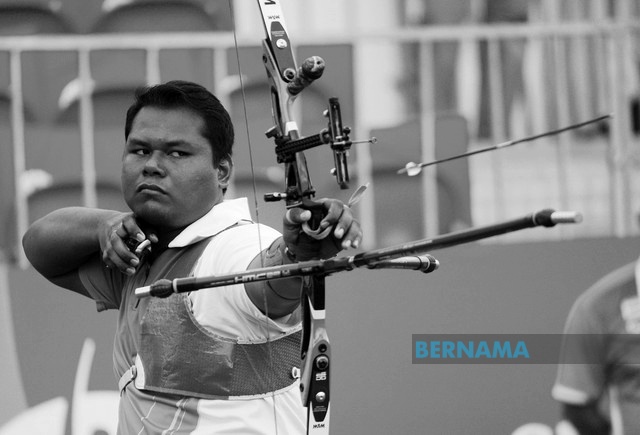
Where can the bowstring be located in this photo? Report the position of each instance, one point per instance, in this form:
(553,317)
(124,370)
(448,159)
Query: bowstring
(265,323)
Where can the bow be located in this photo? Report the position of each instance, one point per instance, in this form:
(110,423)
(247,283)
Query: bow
(286,82)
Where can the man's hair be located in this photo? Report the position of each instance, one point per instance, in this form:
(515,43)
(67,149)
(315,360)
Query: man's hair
(218,128)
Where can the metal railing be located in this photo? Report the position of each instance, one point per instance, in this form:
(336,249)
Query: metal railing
(598,60)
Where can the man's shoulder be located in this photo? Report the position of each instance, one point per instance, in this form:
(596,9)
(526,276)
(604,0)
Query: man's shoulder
(611,288)
(237,244)
(245,229)
(616,280)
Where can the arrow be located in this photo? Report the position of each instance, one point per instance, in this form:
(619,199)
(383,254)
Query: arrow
(413,169)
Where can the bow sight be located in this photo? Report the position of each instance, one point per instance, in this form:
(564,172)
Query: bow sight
(287,81)
(336,135)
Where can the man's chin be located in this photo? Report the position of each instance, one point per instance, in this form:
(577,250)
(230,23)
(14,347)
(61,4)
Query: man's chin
(152,215)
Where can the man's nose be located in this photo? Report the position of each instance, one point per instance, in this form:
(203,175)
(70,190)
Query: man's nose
(154,164)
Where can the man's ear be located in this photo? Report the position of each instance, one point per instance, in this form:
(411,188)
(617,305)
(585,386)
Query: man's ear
(224,172)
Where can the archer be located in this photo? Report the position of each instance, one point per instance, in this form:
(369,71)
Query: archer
(218,359)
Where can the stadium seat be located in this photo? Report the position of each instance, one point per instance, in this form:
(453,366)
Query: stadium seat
(147,16)
(43,73)
(142,16)
(109,104)
(31,19)
(116,73)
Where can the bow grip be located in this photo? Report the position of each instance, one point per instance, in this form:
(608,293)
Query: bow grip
(312,226)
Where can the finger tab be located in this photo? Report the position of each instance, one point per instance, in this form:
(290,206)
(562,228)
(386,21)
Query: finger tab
(317,234)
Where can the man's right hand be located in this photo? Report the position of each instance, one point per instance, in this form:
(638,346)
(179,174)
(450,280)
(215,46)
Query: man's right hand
(116,237)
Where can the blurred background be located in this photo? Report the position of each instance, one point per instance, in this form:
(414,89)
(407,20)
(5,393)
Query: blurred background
(429,79)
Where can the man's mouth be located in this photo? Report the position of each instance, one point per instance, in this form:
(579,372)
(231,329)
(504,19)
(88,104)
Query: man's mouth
(150,187)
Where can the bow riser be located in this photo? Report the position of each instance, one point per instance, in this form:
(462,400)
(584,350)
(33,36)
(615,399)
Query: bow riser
(281,70)
(286,82)
(316,358)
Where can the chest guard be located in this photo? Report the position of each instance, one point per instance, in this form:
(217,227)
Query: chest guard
(178,356)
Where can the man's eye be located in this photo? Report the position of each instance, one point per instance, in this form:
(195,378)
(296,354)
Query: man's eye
(140,151)
(177,153)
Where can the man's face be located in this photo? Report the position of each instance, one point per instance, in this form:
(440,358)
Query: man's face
(168,177)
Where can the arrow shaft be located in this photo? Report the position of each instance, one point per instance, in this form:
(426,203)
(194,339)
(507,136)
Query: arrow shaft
(506,144)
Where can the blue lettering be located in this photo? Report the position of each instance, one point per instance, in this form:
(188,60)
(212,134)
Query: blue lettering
(470,349)
(435,349)
(501,351)
(422,350)
(466,348)
(521,350)
(483,350)
(447,349)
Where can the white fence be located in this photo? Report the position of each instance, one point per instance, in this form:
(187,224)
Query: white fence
(537,77)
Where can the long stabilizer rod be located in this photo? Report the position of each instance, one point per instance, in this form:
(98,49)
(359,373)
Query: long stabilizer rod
(406,256)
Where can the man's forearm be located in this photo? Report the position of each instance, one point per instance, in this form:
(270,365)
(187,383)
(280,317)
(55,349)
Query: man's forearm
(279,297)
(64,239)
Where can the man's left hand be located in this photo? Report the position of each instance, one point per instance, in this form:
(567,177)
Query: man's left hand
(344,231)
